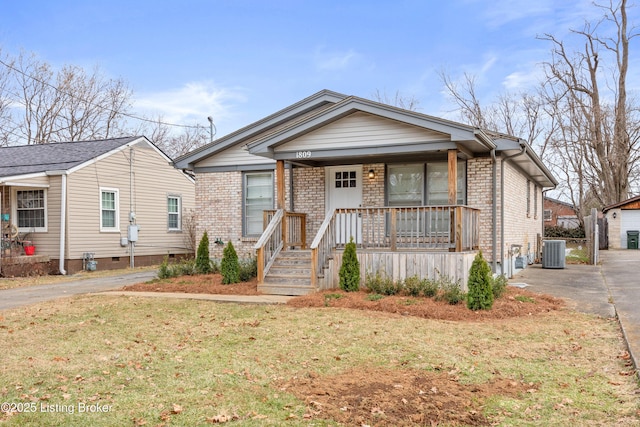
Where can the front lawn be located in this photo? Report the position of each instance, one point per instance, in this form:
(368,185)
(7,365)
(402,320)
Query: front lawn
(137,361)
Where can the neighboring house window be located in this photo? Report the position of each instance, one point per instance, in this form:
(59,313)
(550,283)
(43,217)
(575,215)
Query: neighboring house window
(547,215)
(31,209)
(173,211)
(109,208)
(258,197)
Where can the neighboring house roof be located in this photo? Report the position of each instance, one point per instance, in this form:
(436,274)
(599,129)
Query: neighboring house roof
(268,137)
(559,202)
(65,156)
(635,201)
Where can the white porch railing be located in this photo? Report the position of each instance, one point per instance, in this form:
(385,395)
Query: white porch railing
(269,244)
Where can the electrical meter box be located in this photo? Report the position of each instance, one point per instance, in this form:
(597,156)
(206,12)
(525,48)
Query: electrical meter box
(132,233)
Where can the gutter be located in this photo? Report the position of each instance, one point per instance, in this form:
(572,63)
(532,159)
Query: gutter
(523,149)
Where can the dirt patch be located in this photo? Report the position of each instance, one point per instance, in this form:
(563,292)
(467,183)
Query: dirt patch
(384,397)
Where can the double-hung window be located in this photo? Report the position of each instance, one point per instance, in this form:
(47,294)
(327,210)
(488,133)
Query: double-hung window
(109,209)
(31,210)
(258,197)
(174,205)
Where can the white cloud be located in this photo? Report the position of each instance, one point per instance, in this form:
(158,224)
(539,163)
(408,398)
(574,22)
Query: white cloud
(521,80)
(334,61)
(193,102)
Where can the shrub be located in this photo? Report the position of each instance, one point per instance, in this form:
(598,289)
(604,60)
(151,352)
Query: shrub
(183,268)
(480,296)
(429,288)
(499,286)
(229,266)
(248,269)
(450,291)
(350,269)
(412,286)
(382,285)
(568,233)
(203,263)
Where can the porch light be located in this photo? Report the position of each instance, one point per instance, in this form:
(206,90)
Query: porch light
(372,174)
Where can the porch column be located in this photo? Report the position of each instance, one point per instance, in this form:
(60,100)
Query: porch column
(280,184)
(453,176)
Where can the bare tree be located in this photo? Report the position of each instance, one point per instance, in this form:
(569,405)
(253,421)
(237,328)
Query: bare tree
(7,127)
(171,143)
(398,100)
(596,132)
(68,105)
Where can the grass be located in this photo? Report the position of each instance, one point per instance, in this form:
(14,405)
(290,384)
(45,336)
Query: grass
(183,362)
(577,255)
(18,282)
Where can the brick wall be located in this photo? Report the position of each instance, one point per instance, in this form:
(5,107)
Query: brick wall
(308,197)
(521,228)
(480,196)
(219,198)
(373,189)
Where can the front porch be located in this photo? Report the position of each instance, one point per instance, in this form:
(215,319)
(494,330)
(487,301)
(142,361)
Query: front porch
(399,242)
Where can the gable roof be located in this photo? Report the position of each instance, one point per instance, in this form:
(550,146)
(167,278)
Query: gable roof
(621,204)
(268,138)
(40,158)
(317,100)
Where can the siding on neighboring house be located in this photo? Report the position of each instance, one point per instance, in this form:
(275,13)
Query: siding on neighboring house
(150,191)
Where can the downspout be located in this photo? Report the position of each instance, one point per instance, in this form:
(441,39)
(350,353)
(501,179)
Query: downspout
(488,142)
(523,149)
(494,209)
(63,221)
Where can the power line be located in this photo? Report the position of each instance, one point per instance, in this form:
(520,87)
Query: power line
(11,67)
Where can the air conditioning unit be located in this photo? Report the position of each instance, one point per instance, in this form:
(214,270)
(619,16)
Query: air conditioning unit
(553,253)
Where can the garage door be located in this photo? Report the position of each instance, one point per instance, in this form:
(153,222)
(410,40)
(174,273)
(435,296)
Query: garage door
(629,220)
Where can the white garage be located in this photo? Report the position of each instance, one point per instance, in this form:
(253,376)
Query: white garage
(623,217)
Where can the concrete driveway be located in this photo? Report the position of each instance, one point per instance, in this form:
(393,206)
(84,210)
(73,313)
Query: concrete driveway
(17,297)
(609,289)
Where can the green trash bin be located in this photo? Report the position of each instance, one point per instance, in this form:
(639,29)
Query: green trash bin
(632,239)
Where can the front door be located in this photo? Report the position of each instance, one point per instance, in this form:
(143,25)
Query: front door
(344,190)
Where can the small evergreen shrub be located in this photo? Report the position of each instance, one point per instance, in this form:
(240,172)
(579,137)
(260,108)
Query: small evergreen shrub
(450,291)
(182,268)
(248,269)
(383,285)
(429,288)
(350,269)
(203,263)
(499,286)
(229,266)
(413,286)
(480,295)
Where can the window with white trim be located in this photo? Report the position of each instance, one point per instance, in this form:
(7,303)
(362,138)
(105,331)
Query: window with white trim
(258,197)
(109,209)
(174,210)
(31,210)
(547,215)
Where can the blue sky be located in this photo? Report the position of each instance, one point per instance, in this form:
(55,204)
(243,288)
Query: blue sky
(241,60)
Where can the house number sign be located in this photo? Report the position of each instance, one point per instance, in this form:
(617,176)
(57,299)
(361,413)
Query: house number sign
(303,154)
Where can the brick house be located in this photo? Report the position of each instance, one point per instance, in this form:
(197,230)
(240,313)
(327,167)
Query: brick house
(559,213)
(418,194)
